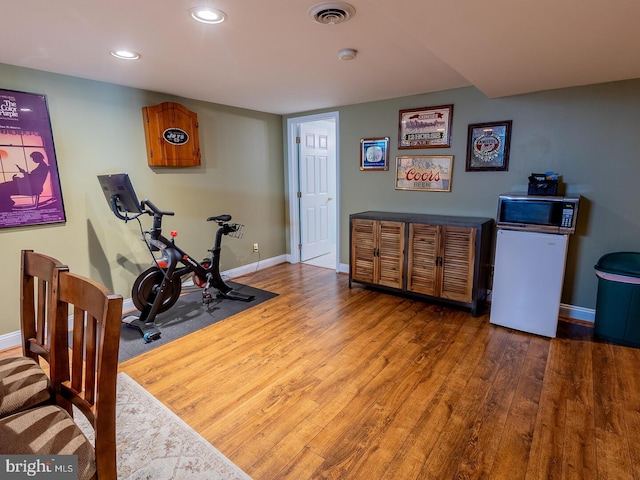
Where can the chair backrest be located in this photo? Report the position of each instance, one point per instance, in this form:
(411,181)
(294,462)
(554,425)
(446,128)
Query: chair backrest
(94,341)
(38,302)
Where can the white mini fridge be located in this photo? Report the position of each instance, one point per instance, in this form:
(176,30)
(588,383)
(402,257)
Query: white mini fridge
(527,281)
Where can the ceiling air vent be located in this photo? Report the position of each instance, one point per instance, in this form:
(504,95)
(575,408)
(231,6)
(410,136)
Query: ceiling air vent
(331,13)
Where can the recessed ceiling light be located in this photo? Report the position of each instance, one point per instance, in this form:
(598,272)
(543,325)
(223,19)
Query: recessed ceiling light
(125,54)
(208,15)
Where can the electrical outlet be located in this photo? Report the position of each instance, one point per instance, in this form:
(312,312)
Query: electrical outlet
(255,247)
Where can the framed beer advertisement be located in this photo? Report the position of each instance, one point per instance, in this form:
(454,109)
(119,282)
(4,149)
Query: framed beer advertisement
(374,153)
(428,127)
(488,146)
(30,192)
(425,173)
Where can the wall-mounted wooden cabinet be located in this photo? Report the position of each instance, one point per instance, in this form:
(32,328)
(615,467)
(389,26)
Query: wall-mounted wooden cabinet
(445,258)
(171,135)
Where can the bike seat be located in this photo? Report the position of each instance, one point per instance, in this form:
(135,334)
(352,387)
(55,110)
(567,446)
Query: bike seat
(219,218)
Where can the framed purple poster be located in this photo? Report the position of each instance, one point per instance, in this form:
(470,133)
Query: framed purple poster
(30,192)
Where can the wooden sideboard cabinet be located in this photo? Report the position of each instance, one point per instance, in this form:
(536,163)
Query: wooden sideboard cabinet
(433,257)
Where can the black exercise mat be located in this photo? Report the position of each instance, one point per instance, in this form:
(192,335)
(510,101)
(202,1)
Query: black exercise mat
(186,316)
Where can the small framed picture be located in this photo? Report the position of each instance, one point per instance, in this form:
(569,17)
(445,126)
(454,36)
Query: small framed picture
(488,146)
(427,127)
(426,173)
(374,153)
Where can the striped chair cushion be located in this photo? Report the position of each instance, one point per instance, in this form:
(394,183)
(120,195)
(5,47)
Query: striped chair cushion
(23,385)
(47,430)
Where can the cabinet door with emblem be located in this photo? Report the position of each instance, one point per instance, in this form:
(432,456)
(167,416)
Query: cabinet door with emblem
(171,135)
(458,257)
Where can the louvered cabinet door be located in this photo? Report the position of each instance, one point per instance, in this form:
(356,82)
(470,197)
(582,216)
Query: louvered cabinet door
(364,245)
(458,257)
(423,270)
(390,254)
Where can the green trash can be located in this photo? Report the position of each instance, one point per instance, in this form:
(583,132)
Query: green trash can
(618,302)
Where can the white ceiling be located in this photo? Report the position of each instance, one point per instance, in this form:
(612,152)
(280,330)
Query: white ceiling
(270,56)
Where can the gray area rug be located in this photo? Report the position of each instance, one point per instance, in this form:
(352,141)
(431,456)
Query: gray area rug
(154,443)
(186,316)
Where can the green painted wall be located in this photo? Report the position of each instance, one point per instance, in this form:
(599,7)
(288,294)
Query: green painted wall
(97,128)
(588,134)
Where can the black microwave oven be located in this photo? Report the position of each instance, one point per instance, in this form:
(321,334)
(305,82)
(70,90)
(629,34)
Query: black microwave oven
(547,214)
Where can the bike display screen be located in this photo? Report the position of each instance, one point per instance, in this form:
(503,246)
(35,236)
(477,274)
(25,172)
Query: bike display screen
(119,192)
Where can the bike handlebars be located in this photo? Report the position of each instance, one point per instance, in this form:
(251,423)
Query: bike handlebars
(154,210)
(148,207)
(155,232)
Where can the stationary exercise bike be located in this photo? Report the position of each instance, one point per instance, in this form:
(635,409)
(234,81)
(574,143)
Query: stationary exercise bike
(158,288)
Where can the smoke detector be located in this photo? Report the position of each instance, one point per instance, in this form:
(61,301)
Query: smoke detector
(331,13)
(347,54)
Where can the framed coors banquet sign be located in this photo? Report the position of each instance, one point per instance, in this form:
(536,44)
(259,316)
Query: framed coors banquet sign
(428,127)
(30,191)
(425,173)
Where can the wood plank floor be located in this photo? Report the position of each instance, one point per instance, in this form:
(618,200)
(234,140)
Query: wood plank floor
(324,381)
(330,382)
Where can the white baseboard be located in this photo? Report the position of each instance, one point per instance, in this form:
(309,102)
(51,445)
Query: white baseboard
(342,268)
(578,313)
(254,267)
(10,340)
(14,339)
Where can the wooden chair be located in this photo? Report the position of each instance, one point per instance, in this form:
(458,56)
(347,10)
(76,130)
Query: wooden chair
(89,384)
(23,382)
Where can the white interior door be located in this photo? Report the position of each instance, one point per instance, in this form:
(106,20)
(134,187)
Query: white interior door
(315,170)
